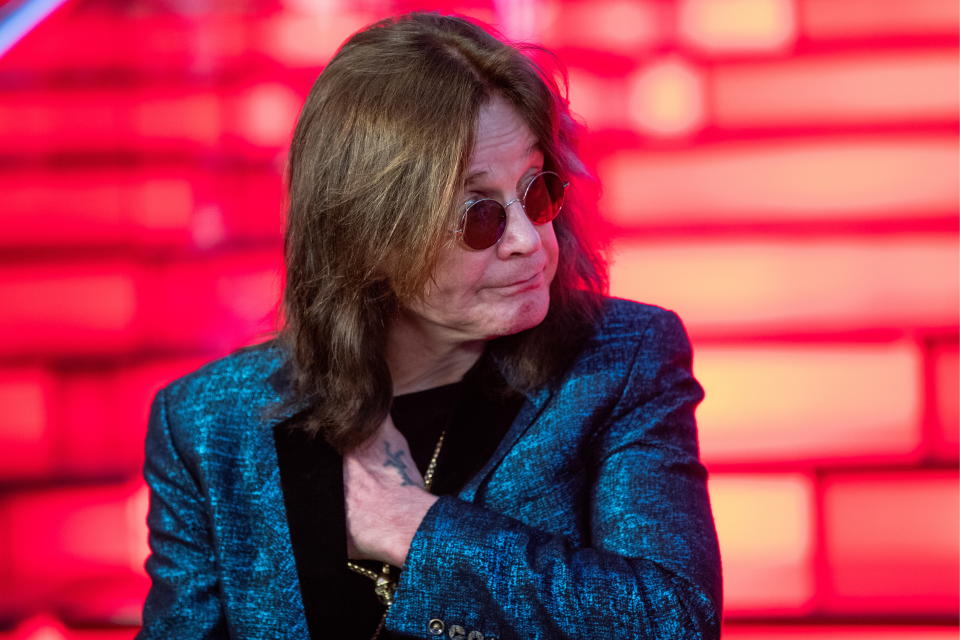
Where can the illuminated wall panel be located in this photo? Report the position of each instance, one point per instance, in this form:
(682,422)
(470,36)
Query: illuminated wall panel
(947,388)
(131,390)
(666,98)
(765,526)
(801,285)
(158,43)
(86,434)
(806,179)
(105,416)
(737,25)
(829,19)
(151,43)
(849,89)
(56,308)
(172,120)
(821,90)
(891,541)
(215,304)
(240,205)
(89,424)
(619,26)
(308,39)
(601,102)
(27,398)
(98,207)
(93,208)
(59,536)
(159,120)
(86,583)
(97,308)
(263,114)
(811,91)
(47,627)
(809,402)
(627,27)
(838,632)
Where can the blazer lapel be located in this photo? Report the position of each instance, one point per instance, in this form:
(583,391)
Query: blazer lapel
(311,473)
(303,498)
(280,458)
(529,411)
(287,606)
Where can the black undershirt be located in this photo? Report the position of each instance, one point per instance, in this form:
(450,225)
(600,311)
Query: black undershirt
(476,413)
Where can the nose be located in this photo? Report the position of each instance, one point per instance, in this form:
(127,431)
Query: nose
(520,237)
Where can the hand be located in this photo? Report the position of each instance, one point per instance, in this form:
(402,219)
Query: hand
(384,496)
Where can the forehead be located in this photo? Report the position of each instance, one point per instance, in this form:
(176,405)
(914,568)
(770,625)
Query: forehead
(502,140)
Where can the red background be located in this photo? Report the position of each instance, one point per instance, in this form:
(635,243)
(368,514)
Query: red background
(782,173)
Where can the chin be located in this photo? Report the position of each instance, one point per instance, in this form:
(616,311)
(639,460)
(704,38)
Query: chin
(523,316)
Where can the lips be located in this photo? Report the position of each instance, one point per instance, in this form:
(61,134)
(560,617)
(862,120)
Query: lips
(523,281)
(519,286)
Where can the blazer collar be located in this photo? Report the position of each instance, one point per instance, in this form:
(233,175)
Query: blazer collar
(280,381)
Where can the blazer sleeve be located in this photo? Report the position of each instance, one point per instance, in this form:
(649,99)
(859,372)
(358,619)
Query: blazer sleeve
(651,569)
(183,599)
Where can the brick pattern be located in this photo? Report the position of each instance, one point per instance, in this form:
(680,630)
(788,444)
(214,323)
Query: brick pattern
(782,173)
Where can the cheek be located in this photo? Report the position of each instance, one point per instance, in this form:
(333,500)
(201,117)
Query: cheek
(457,277)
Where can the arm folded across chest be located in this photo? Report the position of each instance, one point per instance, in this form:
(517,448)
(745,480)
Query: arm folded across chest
(651,569)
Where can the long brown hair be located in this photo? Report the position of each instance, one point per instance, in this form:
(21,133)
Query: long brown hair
(374,177)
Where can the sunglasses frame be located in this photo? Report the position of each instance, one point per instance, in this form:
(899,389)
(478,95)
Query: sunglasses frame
(470,203)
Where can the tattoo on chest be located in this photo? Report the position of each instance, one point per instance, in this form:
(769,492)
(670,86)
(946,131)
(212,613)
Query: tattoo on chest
(395,459)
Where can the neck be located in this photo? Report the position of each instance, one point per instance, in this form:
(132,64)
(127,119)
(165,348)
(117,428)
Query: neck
(421,357)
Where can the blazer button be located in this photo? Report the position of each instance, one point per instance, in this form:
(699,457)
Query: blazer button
(456,631)
(475,635)
(435,626)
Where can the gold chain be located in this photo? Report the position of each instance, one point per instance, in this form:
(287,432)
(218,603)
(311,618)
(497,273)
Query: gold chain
(432,467)
(385,583)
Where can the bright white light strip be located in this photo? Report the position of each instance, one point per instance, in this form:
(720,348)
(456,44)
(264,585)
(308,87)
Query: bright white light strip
(22,19)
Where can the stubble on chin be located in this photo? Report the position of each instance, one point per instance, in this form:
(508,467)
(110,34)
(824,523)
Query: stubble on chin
(530,314)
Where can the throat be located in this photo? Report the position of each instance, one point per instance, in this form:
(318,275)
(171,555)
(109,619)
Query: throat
(423,355)
(411,373)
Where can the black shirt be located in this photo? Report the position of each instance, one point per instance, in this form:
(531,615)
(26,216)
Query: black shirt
(476,412)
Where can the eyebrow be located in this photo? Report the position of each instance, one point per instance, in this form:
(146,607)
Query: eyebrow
(478,174)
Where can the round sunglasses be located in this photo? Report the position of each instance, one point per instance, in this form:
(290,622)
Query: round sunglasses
(484,221)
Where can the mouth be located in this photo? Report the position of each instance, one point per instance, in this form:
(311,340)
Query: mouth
(526,284)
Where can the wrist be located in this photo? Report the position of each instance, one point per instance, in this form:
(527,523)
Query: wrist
(406,527)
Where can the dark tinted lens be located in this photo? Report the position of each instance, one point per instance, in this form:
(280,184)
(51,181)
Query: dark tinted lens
(544,198)
(484,224)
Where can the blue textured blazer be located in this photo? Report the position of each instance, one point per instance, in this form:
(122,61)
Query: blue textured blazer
(591,519)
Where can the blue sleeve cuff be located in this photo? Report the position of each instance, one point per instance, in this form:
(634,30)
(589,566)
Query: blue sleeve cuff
(439,578)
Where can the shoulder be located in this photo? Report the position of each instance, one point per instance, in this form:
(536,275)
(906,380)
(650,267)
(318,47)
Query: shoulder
(628,324)
(243,371)
(632,343)
(231,390)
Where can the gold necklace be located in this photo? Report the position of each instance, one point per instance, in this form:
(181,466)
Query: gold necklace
(384,583)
